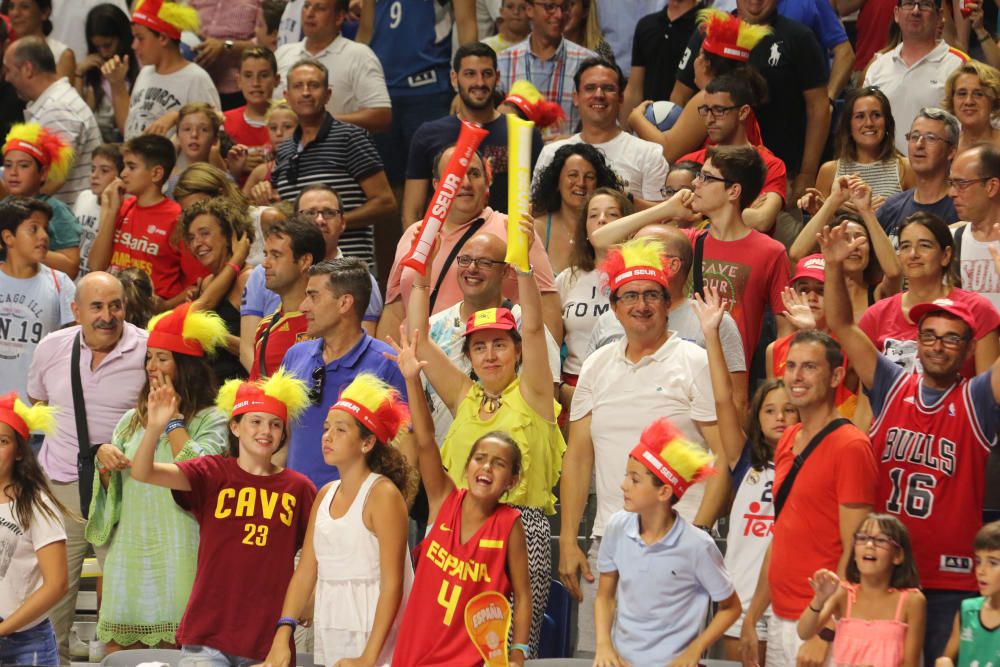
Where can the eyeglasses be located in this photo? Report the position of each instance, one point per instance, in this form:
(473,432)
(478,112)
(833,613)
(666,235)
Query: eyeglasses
(961,184)
(880,541)
(607,89)
(704,177)
(552,7)
(923,5)
(651,296)
(318,377)
(466,261)
(929,137)
(951,341)
(327,213)
(717,111)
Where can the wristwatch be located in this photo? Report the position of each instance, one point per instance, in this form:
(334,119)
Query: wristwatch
(228,44)
(826,634)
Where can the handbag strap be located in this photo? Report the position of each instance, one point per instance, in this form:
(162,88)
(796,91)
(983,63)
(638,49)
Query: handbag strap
(786,486)
(79,405)
(697,280)
(275,317)
(473,228)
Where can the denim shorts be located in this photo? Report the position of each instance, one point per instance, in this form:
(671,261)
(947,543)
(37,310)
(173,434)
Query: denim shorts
(194,655)
(34,646)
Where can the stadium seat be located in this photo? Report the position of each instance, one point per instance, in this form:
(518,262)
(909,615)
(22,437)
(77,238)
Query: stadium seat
(557,625)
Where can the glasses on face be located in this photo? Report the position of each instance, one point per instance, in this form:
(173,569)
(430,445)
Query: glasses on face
(552,7)
(929,137)
(951,341)
(327,213)
(668,191)
(961,184)
(607,89)
(880,541)
(922,5)
(717,111)
(486,263)
(316,393)
(651,297)
(704,178)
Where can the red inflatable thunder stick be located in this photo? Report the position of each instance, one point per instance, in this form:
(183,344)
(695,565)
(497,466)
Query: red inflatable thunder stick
(451,180)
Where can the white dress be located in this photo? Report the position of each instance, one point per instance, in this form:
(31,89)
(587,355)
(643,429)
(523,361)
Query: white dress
(347,586)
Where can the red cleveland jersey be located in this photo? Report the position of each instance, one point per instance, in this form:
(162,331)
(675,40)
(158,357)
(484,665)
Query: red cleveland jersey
(448,575)
(932,474)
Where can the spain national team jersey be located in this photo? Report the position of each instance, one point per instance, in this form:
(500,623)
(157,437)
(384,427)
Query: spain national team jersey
(448,575)
(144,240)
(932,474)
(287,330)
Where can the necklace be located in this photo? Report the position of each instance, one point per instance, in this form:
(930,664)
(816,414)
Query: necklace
(490,403)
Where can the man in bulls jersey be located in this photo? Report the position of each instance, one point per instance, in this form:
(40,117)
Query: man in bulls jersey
(932,433)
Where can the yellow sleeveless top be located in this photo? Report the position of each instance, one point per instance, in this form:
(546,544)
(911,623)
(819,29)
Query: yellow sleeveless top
(541,443)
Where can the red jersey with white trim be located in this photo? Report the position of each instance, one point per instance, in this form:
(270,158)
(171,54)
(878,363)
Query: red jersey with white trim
(143,239)
(932,463)
(448,575)
(288,329)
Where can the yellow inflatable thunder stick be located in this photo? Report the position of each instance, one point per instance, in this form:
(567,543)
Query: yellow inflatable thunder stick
(518,189)
(487,620)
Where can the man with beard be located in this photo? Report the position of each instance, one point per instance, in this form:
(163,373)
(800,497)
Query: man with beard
(110,356)
(474,76)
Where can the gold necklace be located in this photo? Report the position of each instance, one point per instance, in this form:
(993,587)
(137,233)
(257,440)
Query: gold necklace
(490,403)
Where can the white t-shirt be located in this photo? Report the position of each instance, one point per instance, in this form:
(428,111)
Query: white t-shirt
(290,28)
(87,210)
(30,308)
(623,398)
(19,573)
(639,163)
(976,268)
(155,94)
(584,298)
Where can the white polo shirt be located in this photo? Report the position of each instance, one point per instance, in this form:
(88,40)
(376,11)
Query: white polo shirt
(356,75)
(910,88)
(624,398)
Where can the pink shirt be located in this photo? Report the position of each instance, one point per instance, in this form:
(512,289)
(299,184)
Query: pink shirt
(109,391)
(401,278)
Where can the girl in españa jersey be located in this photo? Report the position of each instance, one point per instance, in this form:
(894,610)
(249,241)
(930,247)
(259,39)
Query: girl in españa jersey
(470,526)
(751,518)
(355,554)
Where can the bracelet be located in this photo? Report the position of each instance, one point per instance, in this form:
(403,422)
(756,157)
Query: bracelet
(173,425)
(815,610)
(523,648)
(416,286)
(287,620)
(983,38)
(529,272)
(234,267)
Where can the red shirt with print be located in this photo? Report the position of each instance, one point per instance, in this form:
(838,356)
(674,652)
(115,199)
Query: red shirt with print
(144,239)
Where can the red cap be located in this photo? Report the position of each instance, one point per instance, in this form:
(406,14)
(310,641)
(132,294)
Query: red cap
(721,38)
(665,451)
(959,310)
(11,418)
(167,333)
(148,15)
(250,397)
(811,266)
(490,318)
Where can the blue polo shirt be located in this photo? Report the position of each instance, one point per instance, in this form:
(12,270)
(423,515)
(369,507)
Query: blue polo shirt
(305,450)
(663,588)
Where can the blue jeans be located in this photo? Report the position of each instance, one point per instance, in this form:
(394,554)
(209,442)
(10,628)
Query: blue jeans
(942,605)
(34,646)
(193,655)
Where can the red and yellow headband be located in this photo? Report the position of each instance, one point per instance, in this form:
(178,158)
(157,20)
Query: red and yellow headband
(638,259)
(669,455)
(376,405)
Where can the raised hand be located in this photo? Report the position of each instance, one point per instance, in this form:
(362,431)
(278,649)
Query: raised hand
(709,310)
(810,201)
(840,190)
(860,195)
(115,69)
(406,353)
(835,244)
(797,310)
(240,247)
(162,403)
(824,584)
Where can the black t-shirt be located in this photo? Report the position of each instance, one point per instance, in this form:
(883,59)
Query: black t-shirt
(12,109)
(658,46)
(792,62)
(431,137)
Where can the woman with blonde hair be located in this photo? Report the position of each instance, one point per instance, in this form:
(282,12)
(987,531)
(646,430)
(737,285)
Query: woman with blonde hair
(972,94)
(583,28)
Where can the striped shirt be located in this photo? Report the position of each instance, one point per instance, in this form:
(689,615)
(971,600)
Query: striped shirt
(341,156)
(552,77)
(61,109)
(882,177)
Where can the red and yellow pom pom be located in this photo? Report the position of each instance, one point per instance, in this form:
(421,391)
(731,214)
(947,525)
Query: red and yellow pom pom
(638,259)
(49,148)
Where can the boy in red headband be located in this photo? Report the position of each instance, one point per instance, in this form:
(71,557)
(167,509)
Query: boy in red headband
(166,81)
(658,572)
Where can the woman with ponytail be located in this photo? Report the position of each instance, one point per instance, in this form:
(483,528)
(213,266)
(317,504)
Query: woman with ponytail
(355,554)
(33,572)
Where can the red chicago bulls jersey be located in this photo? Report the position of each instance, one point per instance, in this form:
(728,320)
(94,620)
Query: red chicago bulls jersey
(932,473)
(448,575)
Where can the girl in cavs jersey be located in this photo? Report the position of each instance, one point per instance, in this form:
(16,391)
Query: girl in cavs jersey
(471,527)
(359,566)
(251,513)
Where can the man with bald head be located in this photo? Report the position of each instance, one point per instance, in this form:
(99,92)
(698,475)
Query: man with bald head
(111,359)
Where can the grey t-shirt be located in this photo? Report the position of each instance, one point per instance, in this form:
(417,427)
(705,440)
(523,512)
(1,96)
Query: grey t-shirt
(155,94)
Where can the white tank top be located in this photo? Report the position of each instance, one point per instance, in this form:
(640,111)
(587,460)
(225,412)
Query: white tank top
(751,525)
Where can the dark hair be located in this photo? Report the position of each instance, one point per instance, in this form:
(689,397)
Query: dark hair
(721,66)
(43,6)
(195,386)
(941,233)
(987,538)
(832,350)
(154,151)
(905,574)
(473,50)
(873,270)
(137,288)
(545,192)
(317,187)
(234,441)
(685,165)
(760,450)
(310,62)
(272,11)
(599,61)
(303,236)
(844,144)
(389,462)
(347,275)
(515,336)
(742,165)
(232,218)
(582,256)
(36,51)
(28,484)
(740,88)
(108,20)
(111,152)
(504,437)
(15,210)
(261,53)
